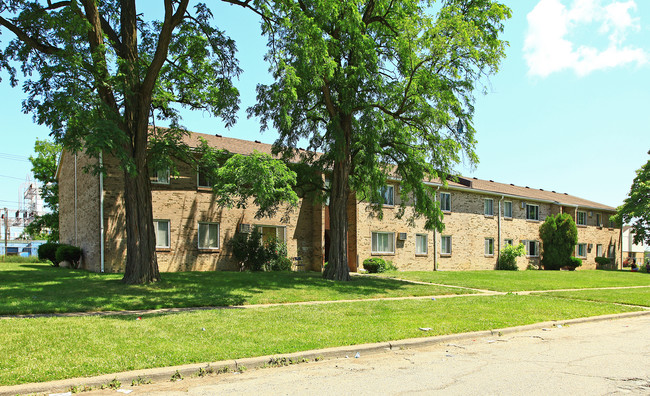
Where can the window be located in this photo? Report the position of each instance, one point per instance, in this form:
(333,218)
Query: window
(272,232)
(383,242)
(611,223)
(421,244)
(445,245)
(532,248)
(599,222)
(387,194)
(611,251)
(445,202)
(582,250)
(489,246)
(532,212)
(208,235)
(599,250)
(328,192)
(204,178)
(160,176)
(488,207)
(582,218)
(161,228)
(507,242)
(507,209)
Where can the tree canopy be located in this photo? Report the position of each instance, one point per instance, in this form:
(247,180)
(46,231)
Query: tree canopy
(379,89)
(44,169)
(559,235)
(636,207)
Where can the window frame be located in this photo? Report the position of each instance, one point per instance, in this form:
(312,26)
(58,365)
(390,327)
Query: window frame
(536,218)
(488,247)
(198,233)
(599,250)
(485,206)
(448,208)
(505,204)
(198,179)
(373,244)
(260,227)
(442,250)
(584,246)
(426,244)
(169,232)
(508,241)
(535,244)
(599,220)
(156,176)
(584,214)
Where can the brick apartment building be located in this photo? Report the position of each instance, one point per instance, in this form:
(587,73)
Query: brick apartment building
(192,232)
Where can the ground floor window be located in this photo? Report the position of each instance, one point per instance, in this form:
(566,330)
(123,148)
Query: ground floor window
(161,228)
(489,246)
(421,244)
(272,233)
(599,250)
(582,250)
(532,248)
(383,242)
(208,235)
(445,245)
(611,251)
(507,242)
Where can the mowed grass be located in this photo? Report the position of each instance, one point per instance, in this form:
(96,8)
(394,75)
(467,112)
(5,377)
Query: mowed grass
(511,281)
(40,288)
(637,296)
(43,349)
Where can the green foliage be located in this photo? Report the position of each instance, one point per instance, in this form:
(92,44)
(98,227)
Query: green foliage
(376,265)
(255,255)
(574,263)
(508,257)
(559,237)
(47,251)
(69,253)
(636,207)
(604,263)
(20,259)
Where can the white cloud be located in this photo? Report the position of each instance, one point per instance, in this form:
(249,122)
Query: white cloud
(547,48)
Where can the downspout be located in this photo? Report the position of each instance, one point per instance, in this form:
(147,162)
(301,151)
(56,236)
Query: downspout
(435,238)
(499,231)
(101,213)
(76,242)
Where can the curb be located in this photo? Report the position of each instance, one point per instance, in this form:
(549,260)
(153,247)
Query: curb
(165,373)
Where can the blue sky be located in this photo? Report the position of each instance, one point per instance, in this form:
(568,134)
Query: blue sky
(568,110)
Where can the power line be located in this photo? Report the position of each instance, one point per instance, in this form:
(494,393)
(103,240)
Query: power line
(14,157)
(11,177)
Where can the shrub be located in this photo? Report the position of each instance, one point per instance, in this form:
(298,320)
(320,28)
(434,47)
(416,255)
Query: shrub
(376,265)
(574,263)
(604,263)
(253,255)
(47,251)
(69,253)
(508,257)
(559,235)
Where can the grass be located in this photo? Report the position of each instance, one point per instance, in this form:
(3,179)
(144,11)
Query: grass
(20,259)
(40,288)
(43,349)
(512,281)
(639,296)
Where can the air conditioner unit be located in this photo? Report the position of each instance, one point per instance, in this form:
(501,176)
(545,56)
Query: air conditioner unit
(245,228)
(401,236)
(523,205)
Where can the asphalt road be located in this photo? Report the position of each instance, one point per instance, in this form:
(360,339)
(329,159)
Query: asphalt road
(601,358)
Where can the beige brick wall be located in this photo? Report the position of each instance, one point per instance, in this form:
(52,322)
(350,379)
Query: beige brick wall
(79,224)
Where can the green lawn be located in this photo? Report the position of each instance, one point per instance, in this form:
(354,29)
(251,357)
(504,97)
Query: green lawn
(640,296)
(40,288)
(42,349)
(511,281)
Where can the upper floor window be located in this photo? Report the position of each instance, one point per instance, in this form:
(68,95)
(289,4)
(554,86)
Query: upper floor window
(387,194)
(204,178)
(532,212)
(161,229)
(599,220)
(582,218)
(421,244)
(445,202)
(488,207)
(507,209)
(383,242)
(208,235)
(160,176)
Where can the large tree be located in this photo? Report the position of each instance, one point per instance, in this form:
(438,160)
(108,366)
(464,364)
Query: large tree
(383,89)
(44,170)
(98,71)
(559,236)
(636,208)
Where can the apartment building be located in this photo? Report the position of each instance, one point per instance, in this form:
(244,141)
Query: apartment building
(481,216)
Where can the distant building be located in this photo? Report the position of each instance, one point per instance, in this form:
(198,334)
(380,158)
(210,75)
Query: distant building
(28,209)
(632,252)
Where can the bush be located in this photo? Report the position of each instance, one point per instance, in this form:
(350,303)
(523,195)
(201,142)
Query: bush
(508,257)
(559,235)
(47,251)
(604,263)
(574,263)
(253,255)
(69,253)
(376,265)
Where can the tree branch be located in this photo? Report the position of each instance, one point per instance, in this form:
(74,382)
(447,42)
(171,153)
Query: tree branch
(31,41)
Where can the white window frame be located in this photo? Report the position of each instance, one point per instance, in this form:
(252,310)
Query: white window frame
(198,179)
(490,206)
(198,232)
(508,241)
(527,244)
(446,208)
(584,246)
(279,230)
(599,250)
(169,236)
(426,244)
(505,212)
(536,218)
(442,246)
(155,176)
(584,216)
(488,247)
(373,242)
